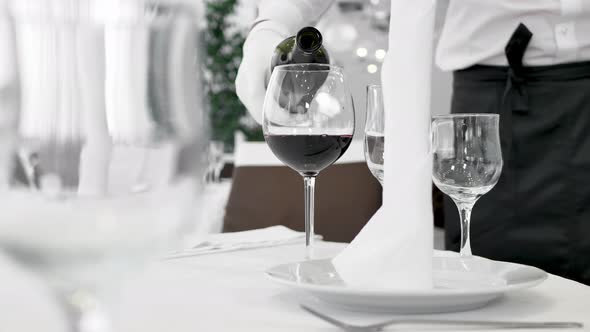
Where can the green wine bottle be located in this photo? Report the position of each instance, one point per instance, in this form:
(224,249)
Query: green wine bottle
(305,47)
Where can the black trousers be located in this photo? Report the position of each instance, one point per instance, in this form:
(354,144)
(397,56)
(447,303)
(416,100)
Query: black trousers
(539,212)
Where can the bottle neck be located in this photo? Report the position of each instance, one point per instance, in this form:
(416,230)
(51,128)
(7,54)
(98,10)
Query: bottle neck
(309,40)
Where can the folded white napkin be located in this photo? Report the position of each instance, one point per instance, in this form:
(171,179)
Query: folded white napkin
(394,249)
(257,238)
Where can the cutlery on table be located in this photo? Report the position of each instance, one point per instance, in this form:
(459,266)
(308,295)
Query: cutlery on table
(462,324)
(251,239)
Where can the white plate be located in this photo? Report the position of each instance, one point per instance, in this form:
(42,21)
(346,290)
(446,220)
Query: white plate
(460,284)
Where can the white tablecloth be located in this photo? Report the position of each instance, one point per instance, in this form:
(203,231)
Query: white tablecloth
(229,292)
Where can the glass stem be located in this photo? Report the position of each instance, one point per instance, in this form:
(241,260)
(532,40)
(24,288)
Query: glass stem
(82,312)
(465,214)
(309,183)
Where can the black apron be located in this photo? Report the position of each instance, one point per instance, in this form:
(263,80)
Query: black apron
(539,212)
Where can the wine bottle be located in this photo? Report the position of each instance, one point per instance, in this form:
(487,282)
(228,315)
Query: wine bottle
(305,47)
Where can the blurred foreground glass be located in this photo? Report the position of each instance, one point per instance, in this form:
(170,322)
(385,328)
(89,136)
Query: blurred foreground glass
(308,123)
(102,141)
(467,161)
(375,132)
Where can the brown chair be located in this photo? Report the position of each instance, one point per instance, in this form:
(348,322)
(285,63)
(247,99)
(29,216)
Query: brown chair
(347,195)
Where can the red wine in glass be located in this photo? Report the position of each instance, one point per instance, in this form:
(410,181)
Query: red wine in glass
(308,154)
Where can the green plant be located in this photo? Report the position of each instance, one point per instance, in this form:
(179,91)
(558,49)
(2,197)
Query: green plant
(224,53)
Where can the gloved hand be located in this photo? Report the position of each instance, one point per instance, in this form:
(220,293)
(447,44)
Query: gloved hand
(254,70)
(277,20)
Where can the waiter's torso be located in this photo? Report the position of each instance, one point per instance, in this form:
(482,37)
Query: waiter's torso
(476,31)
(539,211)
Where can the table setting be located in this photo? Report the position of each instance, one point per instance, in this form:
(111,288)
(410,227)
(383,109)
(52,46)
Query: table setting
(239,296)
(230,292)
(100,203)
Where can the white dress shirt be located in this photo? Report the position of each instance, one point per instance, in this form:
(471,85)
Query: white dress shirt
(476,32)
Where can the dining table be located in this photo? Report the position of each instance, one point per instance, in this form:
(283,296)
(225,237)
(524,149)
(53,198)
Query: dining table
(229,291)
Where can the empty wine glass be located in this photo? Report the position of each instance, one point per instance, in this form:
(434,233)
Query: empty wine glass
(308,123)
(467,162)
(375,131)
(102,150)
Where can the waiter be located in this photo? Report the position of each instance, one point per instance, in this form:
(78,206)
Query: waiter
(529,61)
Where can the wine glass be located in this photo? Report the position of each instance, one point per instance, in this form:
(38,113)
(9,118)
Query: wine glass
(467,162)
(308,123)
(375,132)
(102,144)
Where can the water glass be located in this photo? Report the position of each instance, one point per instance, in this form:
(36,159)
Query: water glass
(375,132)
(467,162)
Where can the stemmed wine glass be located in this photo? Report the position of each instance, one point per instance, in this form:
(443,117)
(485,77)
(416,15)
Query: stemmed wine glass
(467,161)
(102,150)
(375,132)
(308,123)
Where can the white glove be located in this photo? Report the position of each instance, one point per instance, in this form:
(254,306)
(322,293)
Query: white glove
(254,70)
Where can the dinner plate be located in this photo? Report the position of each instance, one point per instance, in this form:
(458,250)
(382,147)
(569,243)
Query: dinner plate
(459,284)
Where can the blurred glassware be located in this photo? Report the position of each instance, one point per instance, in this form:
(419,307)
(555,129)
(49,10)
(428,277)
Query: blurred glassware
(375,131)
(379,12)
(102,141)
(467,162)
(216,160)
